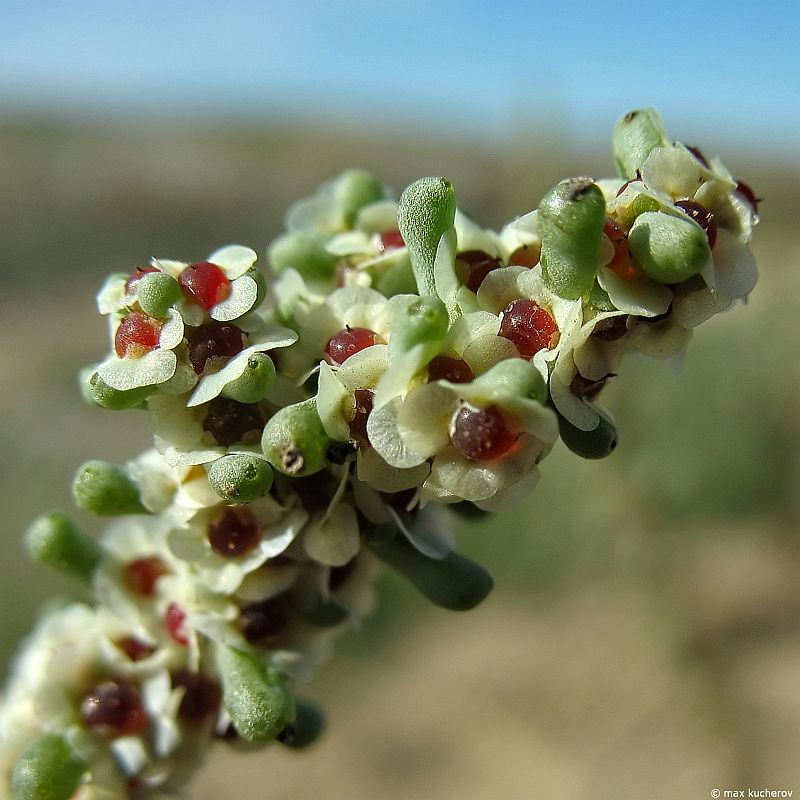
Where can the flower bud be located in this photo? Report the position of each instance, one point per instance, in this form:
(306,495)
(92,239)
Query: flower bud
(254,383)
(156,292)
(240,478)
(635,135)
(426,211)
(106,490)
(452,582)
(571,218)
(255,696)
(55,541)
(306,728)
(294,440)
(597,443)
(352,190)
(48,770)
(305,252)
(667,248)
(96,390)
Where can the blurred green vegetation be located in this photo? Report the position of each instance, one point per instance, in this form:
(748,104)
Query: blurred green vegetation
(708,456)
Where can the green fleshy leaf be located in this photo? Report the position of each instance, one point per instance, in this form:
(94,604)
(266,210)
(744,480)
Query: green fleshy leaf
(353,190)
(106,490)
(156,292)
(240,478)
(571,218)
(594,444)
(669,249)
(426,211)
(305,252)
(95,390)
(307,727)
(295,441)
(635,136)
(255,382)
(255,696)
(55,541)
(48,770)
(453,582)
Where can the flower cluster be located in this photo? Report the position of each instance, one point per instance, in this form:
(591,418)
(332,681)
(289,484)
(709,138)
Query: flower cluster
(405,359)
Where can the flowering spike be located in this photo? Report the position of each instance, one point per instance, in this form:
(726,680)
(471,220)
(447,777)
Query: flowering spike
(106,490)
(55,541)
(48,770)
(635,136)
(426,212)
(254,695)
(571,219)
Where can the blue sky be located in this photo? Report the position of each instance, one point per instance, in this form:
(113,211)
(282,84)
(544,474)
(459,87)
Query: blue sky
(728,70)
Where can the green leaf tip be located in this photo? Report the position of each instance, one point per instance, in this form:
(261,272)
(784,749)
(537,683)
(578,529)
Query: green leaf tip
(48,770)
(294,440)
(255,382)
(307,727)
(240,477)
(594,444)
(635,135)
(55,541)
(254,695)
(96,391)
(106,490)
(571,219)
(453,582)
(426,211)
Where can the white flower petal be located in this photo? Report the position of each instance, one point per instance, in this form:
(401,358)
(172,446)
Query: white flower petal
(334,541)
(332,398)
(734,266)
(384,436)
(377,217)
(639,296)
(234,259)
(350,243)
(242,298)
(172,331)
(111,296)
(210,386)
(153,368)
(373,470)
(428,542)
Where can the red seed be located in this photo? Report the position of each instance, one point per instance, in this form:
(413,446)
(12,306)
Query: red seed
(229,422)
(348,342)
(114,708)
(174,621)
(134,277)
(141,575)
(529,327)
(390,240)
(472,266)
(526,256)
(702,216)
(135,649)
(205,284)
(234,532)
(621,263)
(136,335)
(447,368)
(482,434)
(201,696)
(358,423)
(609,330)
(212,343)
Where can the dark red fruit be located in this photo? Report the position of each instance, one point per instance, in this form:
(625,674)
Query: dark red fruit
(205,284)
(698,154)
(230,422)
(749,195)
(584,387)
(212,342)
(358,424)
(141,575)
(482,434)
(472,266)
(609,330)
(702,216)
(621,263)
(637,179)
(348,342)
(114,708)
(135,650)
(529,327)
(134,277)
(201,696)
(526,256)
(136,335)
(264,623)
(234,532)
(390,240)
(447,368)
(174,621)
